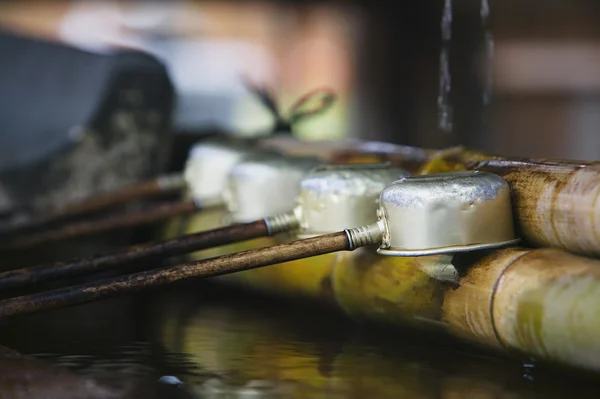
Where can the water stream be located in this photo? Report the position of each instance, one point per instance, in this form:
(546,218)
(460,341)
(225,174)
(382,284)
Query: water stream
(488,52)
(445,80)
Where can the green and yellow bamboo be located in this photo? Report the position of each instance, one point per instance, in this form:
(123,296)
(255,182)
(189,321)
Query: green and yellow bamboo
(540,303)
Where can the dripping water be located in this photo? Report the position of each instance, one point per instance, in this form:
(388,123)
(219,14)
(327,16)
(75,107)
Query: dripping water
(447,22)
(445,85)
(488,52)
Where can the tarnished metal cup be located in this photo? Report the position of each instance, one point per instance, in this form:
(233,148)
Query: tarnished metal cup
(208,166)
(337,197)
(262,187)
(445,213)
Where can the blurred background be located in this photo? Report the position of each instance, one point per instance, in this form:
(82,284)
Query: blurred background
(515,78)
(525,75)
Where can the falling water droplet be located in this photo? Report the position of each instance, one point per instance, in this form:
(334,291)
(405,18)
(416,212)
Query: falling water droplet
(443,100)
(488,46)
(528,371)
(485,10)
(447,21)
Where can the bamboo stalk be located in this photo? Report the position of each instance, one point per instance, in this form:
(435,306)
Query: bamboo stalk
(555,202)
(180,245)
(207,268)
(532,303)
(122,220)
(537,303)
(541,303)
(145,190)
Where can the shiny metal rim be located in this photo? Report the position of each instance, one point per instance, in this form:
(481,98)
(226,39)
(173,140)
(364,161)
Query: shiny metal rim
(445,250)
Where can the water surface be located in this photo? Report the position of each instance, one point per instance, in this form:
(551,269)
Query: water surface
(197,341)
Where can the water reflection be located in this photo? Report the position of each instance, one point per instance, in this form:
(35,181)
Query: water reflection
(259,348)
(201,342)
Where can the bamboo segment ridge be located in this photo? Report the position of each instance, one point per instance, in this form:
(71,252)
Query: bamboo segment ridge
(540,303)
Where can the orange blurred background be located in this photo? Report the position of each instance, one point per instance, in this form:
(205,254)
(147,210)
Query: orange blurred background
(381,59)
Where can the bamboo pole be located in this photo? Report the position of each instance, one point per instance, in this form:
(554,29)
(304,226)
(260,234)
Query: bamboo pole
(300,280)
(180,245)
(555,202)
(532,303)
(541,303)
(538,303)
(116,221)
(207,268)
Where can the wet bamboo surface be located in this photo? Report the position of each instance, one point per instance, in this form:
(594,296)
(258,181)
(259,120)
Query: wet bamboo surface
(535,303)
(555,202)
(153,250)
(111,222)
(206,268)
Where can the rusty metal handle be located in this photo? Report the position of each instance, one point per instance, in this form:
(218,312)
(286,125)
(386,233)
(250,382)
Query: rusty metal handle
(116,221)
(159,249)
(153,188)
(344,240)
